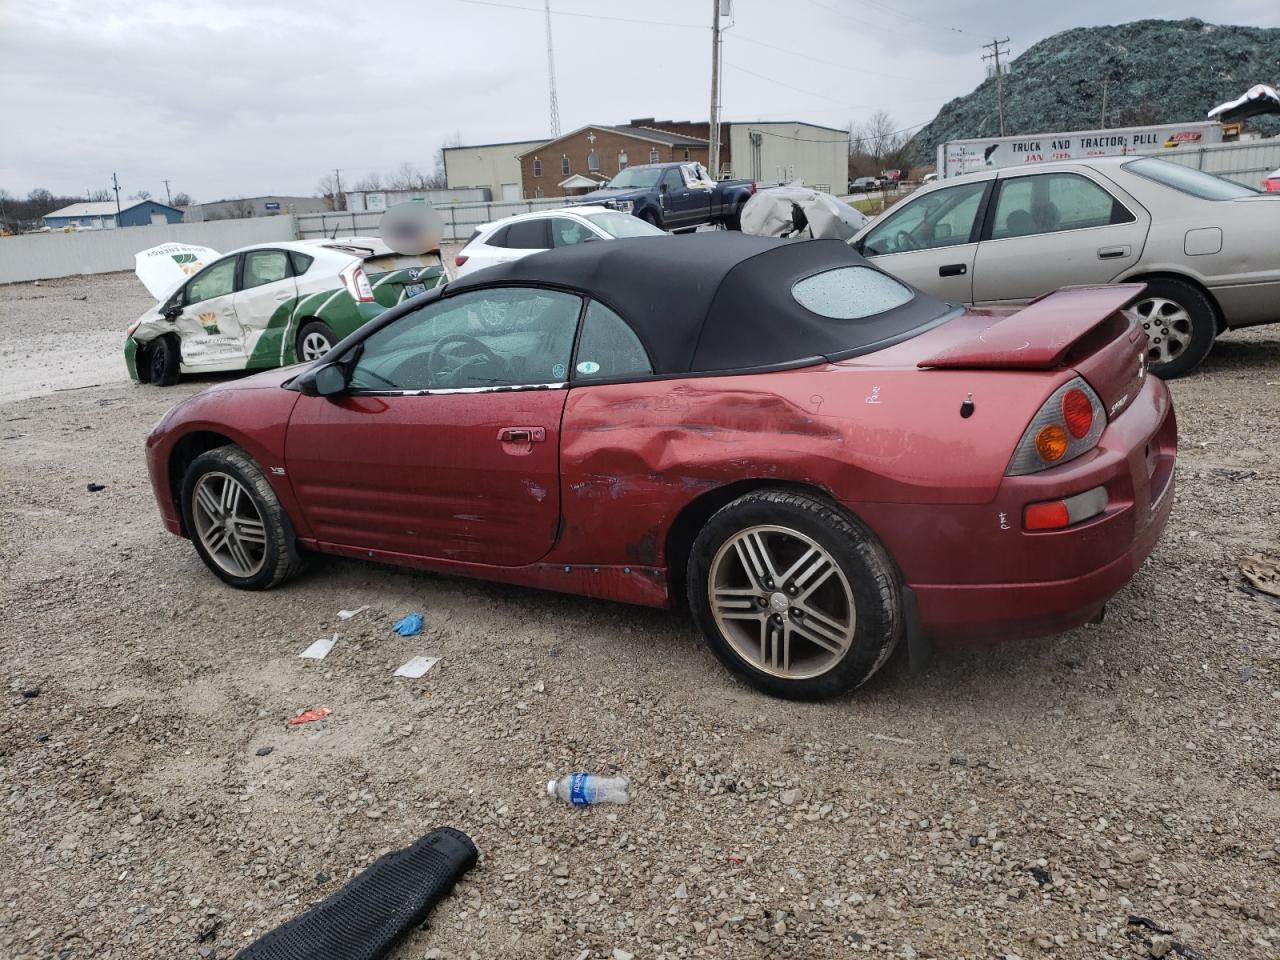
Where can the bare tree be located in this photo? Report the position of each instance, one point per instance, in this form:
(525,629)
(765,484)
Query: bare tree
(439,178)
(142,195)
(41,201)
(99,196)
(406,177)
(371,181)
(182,199)
(328,189)
(877,145)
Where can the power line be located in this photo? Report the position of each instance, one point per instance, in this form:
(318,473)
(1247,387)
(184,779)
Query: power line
(812,93)
(584,16)
(843,66)
(852,139)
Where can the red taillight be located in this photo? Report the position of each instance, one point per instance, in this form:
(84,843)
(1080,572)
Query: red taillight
(460,259)
(753,186)
(1077,411)
(1046,516)
(357,284)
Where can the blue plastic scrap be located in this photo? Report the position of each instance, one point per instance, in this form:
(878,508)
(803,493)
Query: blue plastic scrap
(410,626)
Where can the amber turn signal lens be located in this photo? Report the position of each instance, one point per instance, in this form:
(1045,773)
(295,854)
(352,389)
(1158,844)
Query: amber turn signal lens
(1051,443)
(1078,412)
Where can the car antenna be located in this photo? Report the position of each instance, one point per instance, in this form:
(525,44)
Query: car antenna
(334,235)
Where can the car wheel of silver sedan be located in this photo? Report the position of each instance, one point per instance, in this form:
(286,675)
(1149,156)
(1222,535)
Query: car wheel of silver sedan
(235,520)
(794,595)
(1179,322)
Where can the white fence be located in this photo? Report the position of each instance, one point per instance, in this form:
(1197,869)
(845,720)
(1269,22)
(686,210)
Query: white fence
(1247,163)
(459,218)
(41,256)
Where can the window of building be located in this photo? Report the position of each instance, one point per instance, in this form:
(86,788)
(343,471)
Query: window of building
(564,165)
(593,161)
(686,153)
(622,160)
(653,155)
(537,167)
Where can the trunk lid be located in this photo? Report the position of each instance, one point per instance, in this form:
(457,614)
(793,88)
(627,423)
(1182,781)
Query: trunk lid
(1085,328)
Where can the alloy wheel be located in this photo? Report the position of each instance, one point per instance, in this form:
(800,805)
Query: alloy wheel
(1167,326)
(314,346)
(228,524)
(782,602)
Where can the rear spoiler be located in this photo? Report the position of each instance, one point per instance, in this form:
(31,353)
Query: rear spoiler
(1041,334)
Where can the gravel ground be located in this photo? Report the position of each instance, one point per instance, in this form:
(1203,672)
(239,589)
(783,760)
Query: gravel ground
(1024,801)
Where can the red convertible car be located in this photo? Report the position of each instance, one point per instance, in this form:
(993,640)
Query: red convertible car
(817,459)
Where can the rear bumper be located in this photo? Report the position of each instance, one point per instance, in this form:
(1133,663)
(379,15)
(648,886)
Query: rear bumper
(987,579)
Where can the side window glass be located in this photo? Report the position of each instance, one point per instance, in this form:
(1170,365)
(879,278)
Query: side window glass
(504,337)
(264,266)
(672,179)
(1048,203)
(498,239)
(942,218)
(528,235)
(608,348)
(301,262)
(217,280)
(566,232)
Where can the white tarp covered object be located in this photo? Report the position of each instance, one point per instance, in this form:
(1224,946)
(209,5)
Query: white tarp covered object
(161,269)
(1258,100)
(795,210)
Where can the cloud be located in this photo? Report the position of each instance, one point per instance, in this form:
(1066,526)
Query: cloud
(241,97)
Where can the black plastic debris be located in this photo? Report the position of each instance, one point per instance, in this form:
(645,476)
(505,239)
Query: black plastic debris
(1041,876)
(31,692)
(1137,921)
(95,487)
(375,911)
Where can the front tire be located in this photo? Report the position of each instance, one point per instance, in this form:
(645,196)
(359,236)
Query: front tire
(236,522)
(163,360)
(794,595)
(315,339)
(1180,323)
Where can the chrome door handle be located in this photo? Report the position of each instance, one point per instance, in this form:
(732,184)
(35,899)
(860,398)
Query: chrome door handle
(522,435)
(1112,253)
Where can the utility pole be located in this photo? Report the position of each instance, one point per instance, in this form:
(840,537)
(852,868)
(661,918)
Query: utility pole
(994,47)
(551,78)
(713,152)
(115,185)
(168,198)
(337,190)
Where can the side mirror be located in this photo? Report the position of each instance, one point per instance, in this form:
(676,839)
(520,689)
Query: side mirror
(662,187)
(330,380)
(172,311)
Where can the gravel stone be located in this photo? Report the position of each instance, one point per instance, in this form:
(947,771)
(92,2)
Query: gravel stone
(1128,761)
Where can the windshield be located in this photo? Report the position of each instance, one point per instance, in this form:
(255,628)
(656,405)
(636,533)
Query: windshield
(624,225)
(634,177)
(1197,183)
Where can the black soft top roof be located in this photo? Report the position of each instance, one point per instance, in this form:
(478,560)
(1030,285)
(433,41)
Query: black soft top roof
(713,301)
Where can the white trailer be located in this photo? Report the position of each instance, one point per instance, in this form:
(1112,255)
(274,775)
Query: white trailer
(958,157)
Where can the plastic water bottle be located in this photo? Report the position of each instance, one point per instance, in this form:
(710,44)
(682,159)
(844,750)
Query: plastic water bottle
(582,789)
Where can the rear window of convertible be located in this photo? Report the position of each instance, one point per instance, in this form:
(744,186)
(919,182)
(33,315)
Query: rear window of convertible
(850,293)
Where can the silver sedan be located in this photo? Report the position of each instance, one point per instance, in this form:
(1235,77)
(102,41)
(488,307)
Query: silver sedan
(1208,249)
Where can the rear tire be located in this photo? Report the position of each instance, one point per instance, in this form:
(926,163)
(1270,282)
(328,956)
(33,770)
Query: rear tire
(236,522)
(163,360)
(1180,323)
(734,220)
(315,339)
(817,618)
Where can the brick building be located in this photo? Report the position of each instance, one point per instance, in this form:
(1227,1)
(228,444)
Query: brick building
(580,161)
(772,151)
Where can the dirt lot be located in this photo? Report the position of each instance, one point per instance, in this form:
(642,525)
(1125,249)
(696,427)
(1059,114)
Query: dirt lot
(1026,801)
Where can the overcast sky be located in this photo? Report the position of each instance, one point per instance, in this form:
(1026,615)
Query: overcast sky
(245,97)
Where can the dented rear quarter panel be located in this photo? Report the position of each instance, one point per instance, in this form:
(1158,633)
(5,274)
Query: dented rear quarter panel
(633,456)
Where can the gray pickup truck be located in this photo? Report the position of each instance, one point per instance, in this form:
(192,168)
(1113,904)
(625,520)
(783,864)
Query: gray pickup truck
(674,196)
